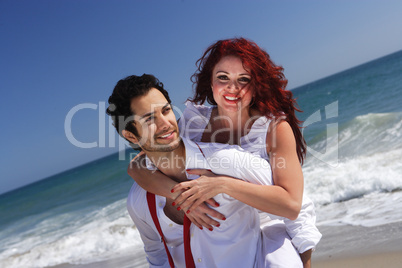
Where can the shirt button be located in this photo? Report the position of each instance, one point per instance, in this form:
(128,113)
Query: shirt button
(199,260)
(171,225)
(160,204)
(192,235)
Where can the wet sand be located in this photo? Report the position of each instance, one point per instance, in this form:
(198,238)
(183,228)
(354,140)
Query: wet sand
(356,246)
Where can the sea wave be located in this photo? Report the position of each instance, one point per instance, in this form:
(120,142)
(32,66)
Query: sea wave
(106,233)
(354,177)
(370,210)
(363,166)
(363,135)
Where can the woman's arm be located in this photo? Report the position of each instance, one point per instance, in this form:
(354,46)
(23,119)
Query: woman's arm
(158,183)
(286,169)
(282,199)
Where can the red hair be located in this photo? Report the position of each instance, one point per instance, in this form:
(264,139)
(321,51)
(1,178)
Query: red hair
(271,98)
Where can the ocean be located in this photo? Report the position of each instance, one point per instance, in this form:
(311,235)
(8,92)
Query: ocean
(353,173)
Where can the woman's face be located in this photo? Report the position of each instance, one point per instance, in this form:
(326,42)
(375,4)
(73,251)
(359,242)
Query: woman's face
(231,84)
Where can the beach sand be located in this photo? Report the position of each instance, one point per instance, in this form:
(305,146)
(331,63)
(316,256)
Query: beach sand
(341,246)
(357,246)
(378,260)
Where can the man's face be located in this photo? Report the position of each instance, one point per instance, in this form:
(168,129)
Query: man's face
(155,122)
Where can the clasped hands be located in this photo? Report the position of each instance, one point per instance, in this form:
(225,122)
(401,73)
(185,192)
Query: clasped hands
(196,194)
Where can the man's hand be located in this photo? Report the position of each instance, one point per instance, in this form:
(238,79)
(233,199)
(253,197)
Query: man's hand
(201,217)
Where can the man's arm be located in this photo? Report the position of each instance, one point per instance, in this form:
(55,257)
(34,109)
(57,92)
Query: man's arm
(303,231)
(158,183)
(151,180)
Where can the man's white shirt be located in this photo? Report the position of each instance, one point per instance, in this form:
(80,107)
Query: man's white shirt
(236,243)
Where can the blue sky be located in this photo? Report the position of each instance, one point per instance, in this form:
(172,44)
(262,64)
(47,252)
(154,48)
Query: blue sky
(57,56)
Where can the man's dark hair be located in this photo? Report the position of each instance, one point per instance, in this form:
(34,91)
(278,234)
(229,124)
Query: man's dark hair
(120,101)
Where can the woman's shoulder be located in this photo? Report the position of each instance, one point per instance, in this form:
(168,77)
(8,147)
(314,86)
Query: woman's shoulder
(193,121)
(279,126)
(267,123)
(197,109)
(280,134)
(259,123)
(259,137)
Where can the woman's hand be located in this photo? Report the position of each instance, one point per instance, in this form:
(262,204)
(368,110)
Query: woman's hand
(158,183)
(196,192)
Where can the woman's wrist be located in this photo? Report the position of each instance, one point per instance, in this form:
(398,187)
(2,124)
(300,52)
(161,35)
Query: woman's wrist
(224,184)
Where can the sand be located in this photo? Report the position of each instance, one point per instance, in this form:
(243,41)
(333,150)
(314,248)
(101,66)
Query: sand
(341,246)
(357,246)
(378,260)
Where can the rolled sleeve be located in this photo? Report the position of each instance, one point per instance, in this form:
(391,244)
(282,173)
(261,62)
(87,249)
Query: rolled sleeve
(303,231)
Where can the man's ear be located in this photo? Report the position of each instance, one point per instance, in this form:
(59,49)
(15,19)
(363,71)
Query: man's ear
(129,136)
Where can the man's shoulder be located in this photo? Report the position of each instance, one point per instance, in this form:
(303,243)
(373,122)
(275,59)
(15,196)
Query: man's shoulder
(136,200)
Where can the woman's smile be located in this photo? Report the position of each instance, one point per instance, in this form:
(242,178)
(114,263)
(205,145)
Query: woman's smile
(230,83)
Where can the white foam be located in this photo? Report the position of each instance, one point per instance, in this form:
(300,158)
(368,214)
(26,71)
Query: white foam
(363,190)
(364,135)
(365,158)
(108,233)
(370,210)
(354,177)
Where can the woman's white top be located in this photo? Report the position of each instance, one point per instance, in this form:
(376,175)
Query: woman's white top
(303,232)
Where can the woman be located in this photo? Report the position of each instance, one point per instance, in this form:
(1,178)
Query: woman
(252,109)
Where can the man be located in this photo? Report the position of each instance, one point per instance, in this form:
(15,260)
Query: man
(142,113)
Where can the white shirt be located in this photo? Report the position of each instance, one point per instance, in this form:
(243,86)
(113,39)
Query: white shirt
(236,242)
(303,232)
(137,207)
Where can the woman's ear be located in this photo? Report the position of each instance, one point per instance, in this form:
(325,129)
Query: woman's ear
(129,136)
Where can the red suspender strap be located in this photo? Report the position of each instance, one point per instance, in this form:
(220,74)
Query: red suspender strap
(201,150)
(187,247)
(152,209)
(186,237)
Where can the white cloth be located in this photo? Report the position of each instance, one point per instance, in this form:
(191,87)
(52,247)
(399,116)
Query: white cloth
(237,242)
(303,232)
(137,207)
